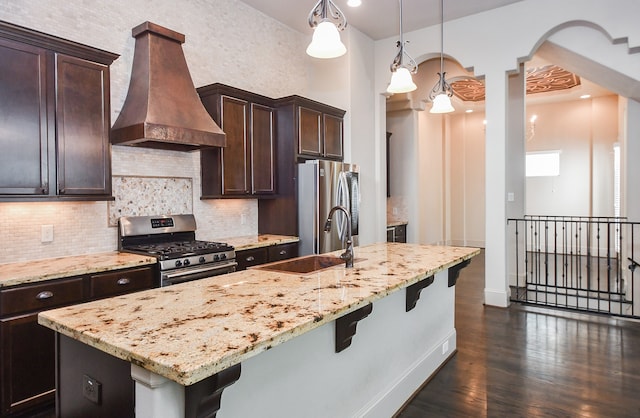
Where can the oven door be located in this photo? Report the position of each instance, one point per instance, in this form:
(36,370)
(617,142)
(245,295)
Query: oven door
(169,277)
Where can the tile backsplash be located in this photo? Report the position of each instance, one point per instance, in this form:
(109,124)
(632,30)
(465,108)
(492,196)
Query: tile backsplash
(397,210)
(78,228)
(145,181)
(137,196)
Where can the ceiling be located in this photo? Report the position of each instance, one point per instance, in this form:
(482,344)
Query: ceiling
(377,19)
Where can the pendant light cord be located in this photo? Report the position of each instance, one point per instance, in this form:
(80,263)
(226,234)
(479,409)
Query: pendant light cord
(441,38)
(401,36)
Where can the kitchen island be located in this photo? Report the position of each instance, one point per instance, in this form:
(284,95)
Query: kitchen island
(334,342)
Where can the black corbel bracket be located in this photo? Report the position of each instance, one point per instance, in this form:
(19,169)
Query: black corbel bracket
(454,272)
(413,292)
(202,399)
(346,326)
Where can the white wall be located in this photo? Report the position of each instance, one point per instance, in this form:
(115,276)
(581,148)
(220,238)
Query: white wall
(467,171)
(403,146)
(584,131)
(227,42)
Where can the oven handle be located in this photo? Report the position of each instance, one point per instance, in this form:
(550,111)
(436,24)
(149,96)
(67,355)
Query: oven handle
(222,268)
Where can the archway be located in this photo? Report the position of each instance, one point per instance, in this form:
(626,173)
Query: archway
(436,168)
(579,199)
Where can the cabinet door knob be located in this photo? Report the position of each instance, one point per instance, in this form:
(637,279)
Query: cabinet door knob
(44,295)
(250,258)
(123,281)
(283,252)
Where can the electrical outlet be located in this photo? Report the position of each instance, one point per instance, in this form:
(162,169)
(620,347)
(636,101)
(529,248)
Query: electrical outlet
(91,389)
(445,347)
(46,233)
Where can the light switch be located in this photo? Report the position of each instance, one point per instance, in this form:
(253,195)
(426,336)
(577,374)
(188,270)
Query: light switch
(46,233)
(511,197)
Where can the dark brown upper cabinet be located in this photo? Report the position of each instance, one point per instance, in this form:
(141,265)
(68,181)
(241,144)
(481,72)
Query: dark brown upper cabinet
(306,130)
(316,127)
(54,118)
(246,166)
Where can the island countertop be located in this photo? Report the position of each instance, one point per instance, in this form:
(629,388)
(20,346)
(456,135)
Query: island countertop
(193,330)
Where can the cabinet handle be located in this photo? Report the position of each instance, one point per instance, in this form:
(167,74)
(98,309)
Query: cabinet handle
(44,295)
(283,252)
(123,281)
(250,258)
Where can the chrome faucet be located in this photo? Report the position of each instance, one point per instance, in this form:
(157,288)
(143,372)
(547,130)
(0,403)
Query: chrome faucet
(347,255)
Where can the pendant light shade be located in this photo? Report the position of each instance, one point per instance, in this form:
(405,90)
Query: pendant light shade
(441,104)
(327,20)
(441,93)
(401,81)
(326,41)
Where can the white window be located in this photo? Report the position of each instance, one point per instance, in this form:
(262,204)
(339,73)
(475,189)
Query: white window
(543,164)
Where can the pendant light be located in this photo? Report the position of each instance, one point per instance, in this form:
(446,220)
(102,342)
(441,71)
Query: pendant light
(326,19)
(441,93)
(401,81)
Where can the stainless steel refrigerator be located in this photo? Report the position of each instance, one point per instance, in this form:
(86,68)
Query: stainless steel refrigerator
(322,185)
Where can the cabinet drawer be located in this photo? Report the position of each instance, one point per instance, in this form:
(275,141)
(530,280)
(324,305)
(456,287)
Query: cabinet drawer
(121,281)
(40,296)
(283,251)
(248,258)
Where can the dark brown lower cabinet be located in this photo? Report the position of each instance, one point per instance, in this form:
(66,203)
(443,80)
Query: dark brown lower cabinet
(28,364)
(397,233)
(262,255)
(27,349)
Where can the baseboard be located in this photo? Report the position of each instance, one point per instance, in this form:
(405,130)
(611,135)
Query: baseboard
(465,243)
(387,402)
(496,298)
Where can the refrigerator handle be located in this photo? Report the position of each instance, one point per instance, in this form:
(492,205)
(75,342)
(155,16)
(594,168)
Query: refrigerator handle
(342,199)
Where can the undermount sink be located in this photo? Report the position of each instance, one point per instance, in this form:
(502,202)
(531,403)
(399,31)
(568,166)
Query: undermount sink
(307,264)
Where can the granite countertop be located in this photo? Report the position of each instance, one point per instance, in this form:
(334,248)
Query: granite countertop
(257,241)
(193,330)
(396,223)
(12,274)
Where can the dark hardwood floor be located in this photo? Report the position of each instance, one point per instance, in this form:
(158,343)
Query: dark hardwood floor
(532,362)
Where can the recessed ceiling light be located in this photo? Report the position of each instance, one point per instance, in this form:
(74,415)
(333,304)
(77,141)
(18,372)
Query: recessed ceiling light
(469,111)
(585,96)
(354,3)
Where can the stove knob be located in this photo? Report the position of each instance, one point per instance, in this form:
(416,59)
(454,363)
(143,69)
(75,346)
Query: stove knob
(186,262)
(223,257)
(216,257)
(178,263)
(202,259)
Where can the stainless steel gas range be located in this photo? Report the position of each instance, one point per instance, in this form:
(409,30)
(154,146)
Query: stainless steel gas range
(172,240)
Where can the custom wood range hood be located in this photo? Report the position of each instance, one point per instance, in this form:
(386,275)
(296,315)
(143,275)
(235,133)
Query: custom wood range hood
(162,108)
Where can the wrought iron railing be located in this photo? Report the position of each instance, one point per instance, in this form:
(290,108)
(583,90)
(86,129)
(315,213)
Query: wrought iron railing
(575,262)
